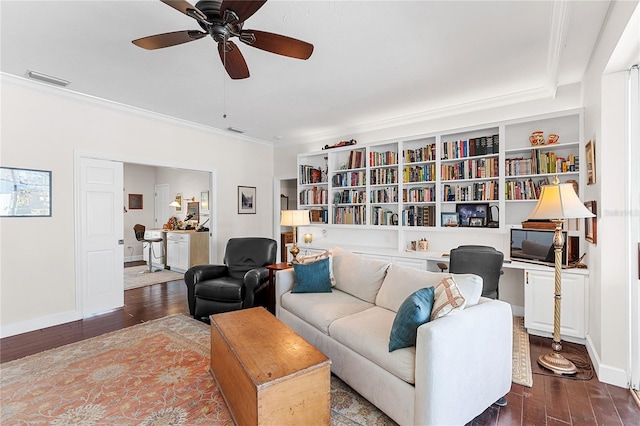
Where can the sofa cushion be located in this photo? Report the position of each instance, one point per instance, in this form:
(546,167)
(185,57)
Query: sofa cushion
(448,299)
(321,309)
(311,258)
(367,333)
(401,281)
(414,311)
(312,277)
(358,275)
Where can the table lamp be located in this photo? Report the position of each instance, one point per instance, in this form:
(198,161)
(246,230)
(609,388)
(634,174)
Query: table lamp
(294,218)
(558,202)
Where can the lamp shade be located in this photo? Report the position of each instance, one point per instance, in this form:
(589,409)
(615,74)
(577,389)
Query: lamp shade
(174,203)
(559,201)
(294,217)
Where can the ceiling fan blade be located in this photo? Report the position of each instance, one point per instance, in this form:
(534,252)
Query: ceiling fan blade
(186,8)
(243,8)
(276,43)
(233,60)
(168,39)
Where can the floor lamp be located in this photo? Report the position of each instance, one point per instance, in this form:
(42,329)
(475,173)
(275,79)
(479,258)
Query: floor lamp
(294,218)
(558,202)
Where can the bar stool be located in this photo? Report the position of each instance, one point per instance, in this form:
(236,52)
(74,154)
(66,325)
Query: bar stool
(139,231)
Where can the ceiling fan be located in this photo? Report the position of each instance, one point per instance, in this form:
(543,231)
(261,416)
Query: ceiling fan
(223,20)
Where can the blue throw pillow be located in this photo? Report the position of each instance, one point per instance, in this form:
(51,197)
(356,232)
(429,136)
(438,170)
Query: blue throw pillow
(414,311)
(312,277)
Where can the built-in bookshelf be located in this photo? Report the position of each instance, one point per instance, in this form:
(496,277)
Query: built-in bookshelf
(407,184)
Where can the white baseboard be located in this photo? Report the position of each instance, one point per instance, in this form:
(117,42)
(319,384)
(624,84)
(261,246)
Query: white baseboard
(517,311)
(38,323)
(133,258)
(606,374)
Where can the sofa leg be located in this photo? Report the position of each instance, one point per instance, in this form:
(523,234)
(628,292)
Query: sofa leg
(501,402)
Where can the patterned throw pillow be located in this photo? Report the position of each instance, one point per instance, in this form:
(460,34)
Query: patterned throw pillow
(448,299)
(311,258)
(414,311)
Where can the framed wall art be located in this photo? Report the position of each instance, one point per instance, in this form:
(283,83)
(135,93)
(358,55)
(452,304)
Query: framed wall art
(591,223)
(135,201)
(246,199)
(590,151)
(25,192)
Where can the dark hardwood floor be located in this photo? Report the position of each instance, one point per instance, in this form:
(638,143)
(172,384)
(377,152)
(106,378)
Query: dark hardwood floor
(551,400)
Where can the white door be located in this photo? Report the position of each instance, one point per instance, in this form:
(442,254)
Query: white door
(100,232)
(161,212)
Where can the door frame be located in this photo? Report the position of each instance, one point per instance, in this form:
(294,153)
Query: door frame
(213,220)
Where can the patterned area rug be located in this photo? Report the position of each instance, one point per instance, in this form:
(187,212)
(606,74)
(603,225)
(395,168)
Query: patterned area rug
(521,365)
(133,278)
(155,373)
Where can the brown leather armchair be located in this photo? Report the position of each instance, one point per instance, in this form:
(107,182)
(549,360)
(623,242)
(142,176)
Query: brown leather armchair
(235,285)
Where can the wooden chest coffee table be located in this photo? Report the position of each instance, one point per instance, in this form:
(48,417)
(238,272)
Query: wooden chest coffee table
(267,373)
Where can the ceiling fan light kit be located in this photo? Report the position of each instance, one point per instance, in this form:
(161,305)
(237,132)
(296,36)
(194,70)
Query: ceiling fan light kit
(223,20)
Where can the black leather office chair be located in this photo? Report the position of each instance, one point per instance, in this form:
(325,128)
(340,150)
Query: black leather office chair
(139,231)
(484,261)
(235,285)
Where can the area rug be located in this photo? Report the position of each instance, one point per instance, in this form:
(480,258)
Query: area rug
(133,278)
(521,363)
(156,373)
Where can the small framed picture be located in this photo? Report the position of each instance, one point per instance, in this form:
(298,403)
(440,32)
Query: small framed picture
(476,222)
(135,201)
(204,200)
(246,200)
(591,223)
(473,211)
(449,218)
(590,151)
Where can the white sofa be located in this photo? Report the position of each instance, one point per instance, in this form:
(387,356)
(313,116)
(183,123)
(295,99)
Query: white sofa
(460,365)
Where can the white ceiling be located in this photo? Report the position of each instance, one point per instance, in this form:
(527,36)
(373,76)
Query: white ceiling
(374,61)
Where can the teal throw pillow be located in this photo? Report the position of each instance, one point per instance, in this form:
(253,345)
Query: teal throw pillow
(414,311)
(312,277)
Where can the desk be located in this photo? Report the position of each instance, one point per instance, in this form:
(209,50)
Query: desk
(272,283)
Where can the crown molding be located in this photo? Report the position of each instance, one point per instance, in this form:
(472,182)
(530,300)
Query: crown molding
(28,84)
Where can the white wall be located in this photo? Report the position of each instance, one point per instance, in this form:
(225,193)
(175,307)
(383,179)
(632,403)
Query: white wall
(43,127)
(605,106)
(137,180)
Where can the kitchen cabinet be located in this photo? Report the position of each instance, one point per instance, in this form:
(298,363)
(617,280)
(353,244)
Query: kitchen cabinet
(186,249)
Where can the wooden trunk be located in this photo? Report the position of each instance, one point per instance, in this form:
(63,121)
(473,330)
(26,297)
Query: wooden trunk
(267,373)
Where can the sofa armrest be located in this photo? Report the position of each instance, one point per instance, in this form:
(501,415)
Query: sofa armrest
(285,279)
(199,273)
(463,363)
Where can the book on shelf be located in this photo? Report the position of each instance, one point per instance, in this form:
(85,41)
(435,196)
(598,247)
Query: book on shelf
(386,158)
(419,173)
(352,215)
(472,147)
(419,216)
(419,194)
(319,215)
(426,153)
(309,175)
(380,216)
(477,191)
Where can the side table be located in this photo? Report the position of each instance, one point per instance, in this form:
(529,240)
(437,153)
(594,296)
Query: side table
(272,283)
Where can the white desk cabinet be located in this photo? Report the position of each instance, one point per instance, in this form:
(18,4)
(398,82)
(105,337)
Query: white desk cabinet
(186,249)
(539,301)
